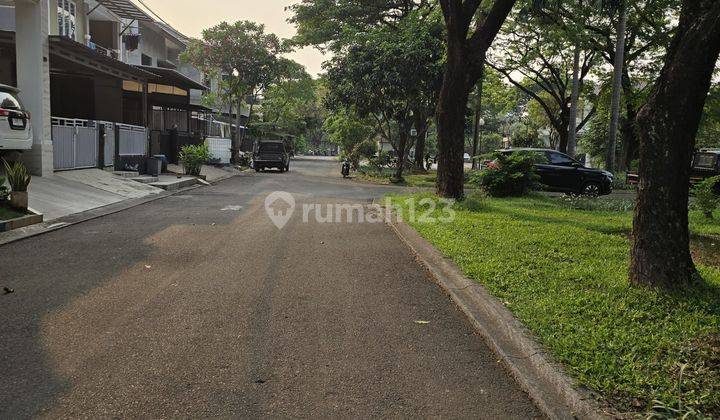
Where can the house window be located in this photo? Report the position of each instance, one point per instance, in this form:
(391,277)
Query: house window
(146,60)
(66,18)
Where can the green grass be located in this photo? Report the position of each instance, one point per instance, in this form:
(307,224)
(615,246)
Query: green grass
(563,273)
(411,179)
(8,213)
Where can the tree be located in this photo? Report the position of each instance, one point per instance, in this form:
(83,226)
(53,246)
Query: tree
(350,131)
(341,25)
(647,33)
(616,91)
(245,59)
(287,105)
(668,124)
(466,51)
(537,56)
(371,76)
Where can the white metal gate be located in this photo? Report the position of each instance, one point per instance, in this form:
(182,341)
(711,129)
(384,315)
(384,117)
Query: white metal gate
(75,143)
(132,139)
(109,144)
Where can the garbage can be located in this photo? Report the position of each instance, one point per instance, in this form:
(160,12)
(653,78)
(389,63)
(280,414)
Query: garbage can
(154,166)
(164,161)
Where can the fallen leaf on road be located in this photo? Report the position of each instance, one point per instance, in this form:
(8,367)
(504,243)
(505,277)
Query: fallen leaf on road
(422,322)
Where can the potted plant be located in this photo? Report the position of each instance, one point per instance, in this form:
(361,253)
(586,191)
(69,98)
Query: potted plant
(193,158)
(19,179)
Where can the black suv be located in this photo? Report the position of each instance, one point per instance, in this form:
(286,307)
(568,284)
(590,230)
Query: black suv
(561,173)
(271,154)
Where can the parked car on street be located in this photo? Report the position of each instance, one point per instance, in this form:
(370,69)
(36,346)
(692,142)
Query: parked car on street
(705,164)
(15,129)
(271,154)
(560,173)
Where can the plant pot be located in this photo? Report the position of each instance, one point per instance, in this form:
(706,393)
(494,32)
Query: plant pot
(19,200)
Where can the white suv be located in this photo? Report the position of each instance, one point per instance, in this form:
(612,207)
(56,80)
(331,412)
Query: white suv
(15,129)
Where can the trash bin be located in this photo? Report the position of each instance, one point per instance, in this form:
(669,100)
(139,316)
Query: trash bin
(164,161)
(154,166)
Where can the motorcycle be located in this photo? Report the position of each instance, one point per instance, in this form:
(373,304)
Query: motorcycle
(345,169)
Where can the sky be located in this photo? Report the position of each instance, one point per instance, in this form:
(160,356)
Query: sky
(192,16)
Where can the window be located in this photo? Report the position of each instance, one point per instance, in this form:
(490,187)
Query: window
(560,160)
(146,60)
(9,101)
(66,18)
(271,147)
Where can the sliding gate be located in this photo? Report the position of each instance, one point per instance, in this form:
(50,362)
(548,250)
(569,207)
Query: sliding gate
(76,143)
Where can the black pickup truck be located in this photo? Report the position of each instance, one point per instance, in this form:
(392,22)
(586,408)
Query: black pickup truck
(705,164)
(271,154)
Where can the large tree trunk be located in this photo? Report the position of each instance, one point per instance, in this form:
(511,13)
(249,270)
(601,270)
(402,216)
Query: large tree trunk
(465,56)
(572,125)
(451,127)
(611,143)
(667,125)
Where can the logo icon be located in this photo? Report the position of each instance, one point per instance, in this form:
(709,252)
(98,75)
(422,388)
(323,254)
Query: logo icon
(280,206)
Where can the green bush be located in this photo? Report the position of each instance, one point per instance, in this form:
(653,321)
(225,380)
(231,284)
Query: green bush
(706,199)
(193,157)
(509,176)
(17,175)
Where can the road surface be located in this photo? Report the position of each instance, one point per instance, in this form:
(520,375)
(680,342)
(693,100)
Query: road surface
(197,305)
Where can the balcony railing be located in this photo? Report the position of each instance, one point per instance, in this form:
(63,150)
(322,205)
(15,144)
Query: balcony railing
(102,50)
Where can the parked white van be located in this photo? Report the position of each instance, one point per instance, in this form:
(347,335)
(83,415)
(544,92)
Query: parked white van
(15,129)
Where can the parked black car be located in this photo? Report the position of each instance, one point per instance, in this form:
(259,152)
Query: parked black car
(561,173)
(271,154)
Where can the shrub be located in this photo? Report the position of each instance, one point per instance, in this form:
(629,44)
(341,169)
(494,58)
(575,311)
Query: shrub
(244,159)
(706,199)
(193,158)
(17,175)
(509,176)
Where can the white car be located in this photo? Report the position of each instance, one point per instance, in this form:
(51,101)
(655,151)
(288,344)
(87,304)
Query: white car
(15,129)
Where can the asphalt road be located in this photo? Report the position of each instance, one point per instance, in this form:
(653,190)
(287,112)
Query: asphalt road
(197,305)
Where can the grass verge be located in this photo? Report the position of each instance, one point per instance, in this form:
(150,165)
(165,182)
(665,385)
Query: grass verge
(383,177)
(563,273)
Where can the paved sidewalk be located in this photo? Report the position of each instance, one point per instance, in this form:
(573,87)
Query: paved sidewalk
(212,173)
(57,197)
(109,182)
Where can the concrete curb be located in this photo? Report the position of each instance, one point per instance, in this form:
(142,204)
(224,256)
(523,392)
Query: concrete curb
(74,219)
(554,393)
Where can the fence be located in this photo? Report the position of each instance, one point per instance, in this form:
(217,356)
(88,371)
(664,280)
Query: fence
(132,139)
(81,143)
(220,149)
(75,143)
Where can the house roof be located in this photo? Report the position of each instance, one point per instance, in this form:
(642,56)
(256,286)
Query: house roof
(125,9)
(74,54)
(172,77)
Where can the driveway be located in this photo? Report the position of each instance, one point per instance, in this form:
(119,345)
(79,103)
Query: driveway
(197,305)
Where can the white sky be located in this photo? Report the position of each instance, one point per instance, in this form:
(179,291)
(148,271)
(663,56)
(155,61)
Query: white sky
(192,16)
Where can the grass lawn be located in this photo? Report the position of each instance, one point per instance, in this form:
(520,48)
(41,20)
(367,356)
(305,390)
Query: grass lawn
(7,213)
(563,273)
(411,179)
